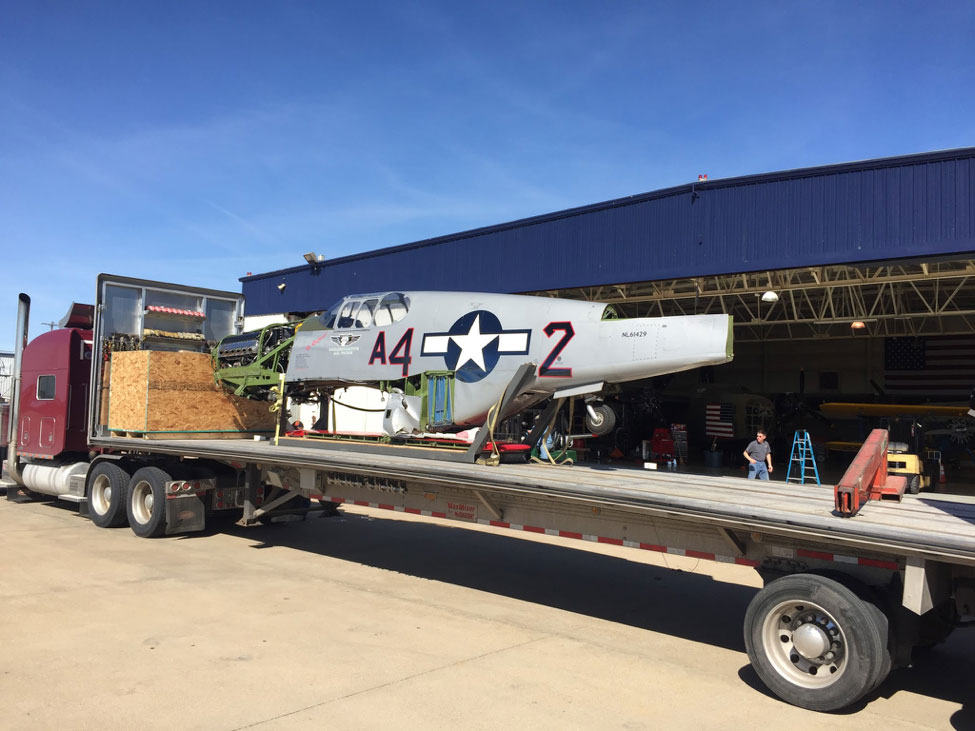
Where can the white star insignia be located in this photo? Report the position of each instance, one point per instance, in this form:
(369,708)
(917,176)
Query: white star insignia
(472,345)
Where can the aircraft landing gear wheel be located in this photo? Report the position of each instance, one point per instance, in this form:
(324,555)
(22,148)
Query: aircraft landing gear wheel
(815,643)
(604,420)
(106,495)
(146,502)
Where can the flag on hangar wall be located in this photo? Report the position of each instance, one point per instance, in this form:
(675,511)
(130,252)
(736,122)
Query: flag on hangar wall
(941,368)
(719,420)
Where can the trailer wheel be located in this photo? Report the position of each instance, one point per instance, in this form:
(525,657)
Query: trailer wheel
(878,609)
(815,643)
(106,495)
(146,502)
(603,422)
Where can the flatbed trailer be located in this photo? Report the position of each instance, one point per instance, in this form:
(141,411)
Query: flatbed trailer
(868,589)
(932,527)
(846,598)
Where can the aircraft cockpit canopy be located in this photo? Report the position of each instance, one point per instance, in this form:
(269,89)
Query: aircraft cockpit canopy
(372,310)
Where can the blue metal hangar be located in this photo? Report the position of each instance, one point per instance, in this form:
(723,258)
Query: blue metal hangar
(825,269)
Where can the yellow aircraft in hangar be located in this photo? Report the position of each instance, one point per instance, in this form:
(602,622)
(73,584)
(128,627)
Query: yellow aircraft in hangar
(840,409)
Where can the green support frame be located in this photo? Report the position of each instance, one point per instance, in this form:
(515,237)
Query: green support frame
(262,374)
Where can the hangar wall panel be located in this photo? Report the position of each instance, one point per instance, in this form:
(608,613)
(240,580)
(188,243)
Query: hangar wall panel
(921,205)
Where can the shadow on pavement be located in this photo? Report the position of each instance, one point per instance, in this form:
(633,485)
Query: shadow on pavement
(675,602)
(680,603)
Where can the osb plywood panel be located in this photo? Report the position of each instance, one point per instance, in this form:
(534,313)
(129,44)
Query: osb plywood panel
(127,389)
(158,391)
(103,400)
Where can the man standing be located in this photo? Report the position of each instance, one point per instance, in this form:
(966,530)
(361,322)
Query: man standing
(759,456)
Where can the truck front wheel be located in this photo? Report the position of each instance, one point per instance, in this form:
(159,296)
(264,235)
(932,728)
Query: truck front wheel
(815,643)
(106,495)
(146,503)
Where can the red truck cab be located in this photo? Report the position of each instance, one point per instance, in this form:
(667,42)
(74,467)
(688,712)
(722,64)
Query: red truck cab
(55,373)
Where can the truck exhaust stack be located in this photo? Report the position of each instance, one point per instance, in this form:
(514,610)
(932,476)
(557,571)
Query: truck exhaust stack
(23,319)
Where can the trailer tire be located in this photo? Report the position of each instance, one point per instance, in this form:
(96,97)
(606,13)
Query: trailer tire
(145,502)
(815,643)
(107,484)
(879,609)
(604,421)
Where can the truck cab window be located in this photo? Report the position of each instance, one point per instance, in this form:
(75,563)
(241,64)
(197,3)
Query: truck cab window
(45,388)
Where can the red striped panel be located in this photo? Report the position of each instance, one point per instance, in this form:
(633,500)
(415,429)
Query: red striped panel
(814,554)
(690,553)
(652,547)
(893,565)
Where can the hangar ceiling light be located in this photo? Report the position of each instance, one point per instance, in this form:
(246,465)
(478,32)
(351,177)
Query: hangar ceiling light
(856,324)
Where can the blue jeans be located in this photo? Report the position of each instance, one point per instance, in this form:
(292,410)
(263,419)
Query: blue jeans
(759,470)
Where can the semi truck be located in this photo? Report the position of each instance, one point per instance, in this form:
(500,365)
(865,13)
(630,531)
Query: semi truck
(853,586)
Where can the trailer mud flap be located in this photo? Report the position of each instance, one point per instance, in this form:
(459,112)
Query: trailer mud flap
(184,514)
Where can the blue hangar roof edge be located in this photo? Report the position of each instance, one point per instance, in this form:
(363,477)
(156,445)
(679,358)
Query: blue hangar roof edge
(895,207)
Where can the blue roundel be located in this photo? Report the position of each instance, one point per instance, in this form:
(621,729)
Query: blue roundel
(474,344)
(472,341)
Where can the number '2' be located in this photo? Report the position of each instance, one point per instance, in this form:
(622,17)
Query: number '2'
(545,370)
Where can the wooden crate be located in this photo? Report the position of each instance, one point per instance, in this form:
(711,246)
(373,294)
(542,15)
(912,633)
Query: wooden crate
(173,394)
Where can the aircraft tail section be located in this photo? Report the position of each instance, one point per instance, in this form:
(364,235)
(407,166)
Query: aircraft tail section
(653,346)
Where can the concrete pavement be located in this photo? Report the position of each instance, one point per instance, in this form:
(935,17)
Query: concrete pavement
(379,620)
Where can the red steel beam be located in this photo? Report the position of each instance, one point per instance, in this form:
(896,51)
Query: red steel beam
(866,478)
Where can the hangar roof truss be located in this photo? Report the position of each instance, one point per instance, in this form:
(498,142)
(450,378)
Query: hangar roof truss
(893,298)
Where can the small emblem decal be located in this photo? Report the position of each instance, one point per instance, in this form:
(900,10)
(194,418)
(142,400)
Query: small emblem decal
(343,340)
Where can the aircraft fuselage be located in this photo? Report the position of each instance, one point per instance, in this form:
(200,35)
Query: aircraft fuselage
(479,340)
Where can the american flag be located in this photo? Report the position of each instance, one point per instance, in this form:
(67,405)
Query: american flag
(942,368)
(719,420)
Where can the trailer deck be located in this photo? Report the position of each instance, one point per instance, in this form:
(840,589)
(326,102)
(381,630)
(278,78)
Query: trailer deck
(927,526)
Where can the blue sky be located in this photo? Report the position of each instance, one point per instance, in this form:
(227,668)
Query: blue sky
(195,142)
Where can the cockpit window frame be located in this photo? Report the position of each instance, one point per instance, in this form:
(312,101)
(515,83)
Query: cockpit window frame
(348,312)
(393,314)
(365,314)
